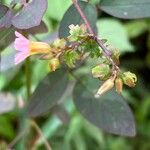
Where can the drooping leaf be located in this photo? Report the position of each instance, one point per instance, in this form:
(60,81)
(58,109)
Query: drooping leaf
(5,21)
(48,93)
(31,15)
(127,9)
(110,112)
(73,17)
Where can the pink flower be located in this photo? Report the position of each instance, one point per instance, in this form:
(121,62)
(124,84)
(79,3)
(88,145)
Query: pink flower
(26,48)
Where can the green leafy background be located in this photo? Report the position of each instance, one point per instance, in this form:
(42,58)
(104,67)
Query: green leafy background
(131,37)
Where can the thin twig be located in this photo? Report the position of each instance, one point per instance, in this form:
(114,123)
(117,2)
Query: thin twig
(83,16)
(47,145)
(16,139)
(106,52)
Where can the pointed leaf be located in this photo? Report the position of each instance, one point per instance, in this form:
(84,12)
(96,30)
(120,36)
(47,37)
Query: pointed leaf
(48,93)
(127,9)
(31,15)
(109,112)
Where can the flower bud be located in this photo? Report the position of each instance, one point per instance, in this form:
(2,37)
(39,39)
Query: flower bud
(115,56)
(59,43)
(54,64)
(106,86)
(129,79)
(101,71)
(76,31)
(118,85)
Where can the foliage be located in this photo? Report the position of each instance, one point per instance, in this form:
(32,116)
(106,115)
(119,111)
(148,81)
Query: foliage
(58,87)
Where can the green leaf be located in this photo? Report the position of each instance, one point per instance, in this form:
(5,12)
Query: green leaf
(109,112)
(6,37)
(73,17)
(57,9)
(116,34)
(136,28)
(48,93)
(5,21)
(3,10)
(127,9)
(6,128)
(31,15)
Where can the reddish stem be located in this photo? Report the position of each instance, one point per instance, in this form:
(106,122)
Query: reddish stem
(83,16)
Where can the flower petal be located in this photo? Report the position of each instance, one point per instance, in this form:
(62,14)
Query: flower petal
(20,56)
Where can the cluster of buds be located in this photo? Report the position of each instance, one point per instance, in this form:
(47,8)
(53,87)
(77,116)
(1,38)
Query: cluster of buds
(72,49)
(112,78)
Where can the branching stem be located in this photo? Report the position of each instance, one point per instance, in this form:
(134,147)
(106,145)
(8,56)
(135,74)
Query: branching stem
(106,52)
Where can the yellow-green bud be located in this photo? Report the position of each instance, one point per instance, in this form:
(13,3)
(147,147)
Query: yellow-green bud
(119,85)
(129,79)
(115,56)
(76,31)
(54,64)
(101,71)
(106,86)
(59,43)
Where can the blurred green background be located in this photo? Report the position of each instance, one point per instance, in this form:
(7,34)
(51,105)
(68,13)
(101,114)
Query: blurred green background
(131,37)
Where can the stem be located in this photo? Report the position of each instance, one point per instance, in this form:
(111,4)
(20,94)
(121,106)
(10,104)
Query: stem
(47,145)
(106,52)
(28,77)
(77,6)
(16,139)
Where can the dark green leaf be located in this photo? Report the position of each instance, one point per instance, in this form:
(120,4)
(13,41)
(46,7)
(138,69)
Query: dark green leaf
(109,112)
(73,17)
(128,9)
(31,15)
(6,37)
(3,10)
(48,93)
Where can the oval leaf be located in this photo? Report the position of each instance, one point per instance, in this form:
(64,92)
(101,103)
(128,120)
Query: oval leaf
(48,93)
(31,15)
(6,19)
(3,10)
(6,37)
(128,9)
(73,17)
(109,112)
